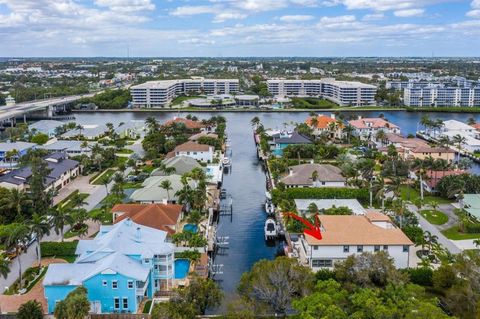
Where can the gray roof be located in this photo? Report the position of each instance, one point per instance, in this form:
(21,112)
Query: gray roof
(302,174)
(182,165)
(152,192)
(45,125)
(66,145)
(295,138)
(19,146)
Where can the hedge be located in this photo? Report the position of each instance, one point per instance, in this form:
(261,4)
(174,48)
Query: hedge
(421,276)
(472,228)
(322,193)
(52,248)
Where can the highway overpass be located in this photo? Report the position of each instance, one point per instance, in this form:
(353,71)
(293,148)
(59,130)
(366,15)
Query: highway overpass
(9,113)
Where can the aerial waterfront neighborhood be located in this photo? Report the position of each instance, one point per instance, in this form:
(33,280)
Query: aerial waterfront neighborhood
(239,159)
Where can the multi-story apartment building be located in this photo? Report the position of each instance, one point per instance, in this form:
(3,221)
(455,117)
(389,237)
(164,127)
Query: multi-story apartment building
(160,93)
(442,96)
(345,93)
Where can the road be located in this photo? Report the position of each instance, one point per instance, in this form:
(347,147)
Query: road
(30,256)
(426,226)
(7,112)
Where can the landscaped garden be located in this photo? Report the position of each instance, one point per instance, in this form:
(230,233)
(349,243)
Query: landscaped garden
(434,216)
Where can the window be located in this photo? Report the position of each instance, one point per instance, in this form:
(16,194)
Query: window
(346,249)
(322,263)
(104,283)
(125,303)
(405,248)
(385,247)
(114,284)
(130,284)
(376,248)
(116,303)
(359,249)
(315,247)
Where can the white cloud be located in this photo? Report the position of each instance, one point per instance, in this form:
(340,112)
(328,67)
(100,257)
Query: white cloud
(409,13)
(224,16)
(373,17)
(296,18)
(193,10)
(475,12)
(384,5)
(126,5)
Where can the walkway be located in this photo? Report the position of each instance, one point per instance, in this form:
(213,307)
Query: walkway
(426,226)
(81,183)
(11,303)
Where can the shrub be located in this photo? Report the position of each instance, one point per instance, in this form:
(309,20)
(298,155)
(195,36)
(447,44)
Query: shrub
(50,248)
(322,193)
(32,309)
(324,274)
(421,276)
(472,228)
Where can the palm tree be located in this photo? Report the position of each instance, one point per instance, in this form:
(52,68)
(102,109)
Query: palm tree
(18,235)
(80,129)
(59,219)
(314,176)
(471,121)
(167,185)
(426,122)
(16,200)
(434,204)
(10,155)
(312,209)
(4,266)
(380,136)
(476,242)
(348,131)
(420,168)
(185,195)
(378,188)
(77,200)
(152,124)
(459,140)
(39,227)
(255,122)
(105,180)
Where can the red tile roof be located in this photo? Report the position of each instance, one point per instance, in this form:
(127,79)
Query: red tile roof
(433,177)
(192,147)
(323,121)
(372,123)
(158,216)
(188,123)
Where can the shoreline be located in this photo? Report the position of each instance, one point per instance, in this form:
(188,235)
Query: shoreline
(358,109)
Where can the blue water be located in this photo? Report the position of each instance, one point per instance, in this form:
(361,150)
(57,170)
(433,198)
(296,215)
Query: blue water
(181,268)
(246,181)
(191,228)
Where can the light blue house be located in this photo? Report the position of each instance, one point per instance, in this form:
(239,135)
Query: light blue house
(121,266)
(21,149)
(283,141)
(48,127)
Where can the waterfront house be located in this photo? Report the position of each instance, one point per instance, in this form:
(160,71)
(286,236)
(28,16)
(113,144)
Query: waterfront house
(432,178)
(283,141)
(10,152)
(164,217)
(61,171)
(200,152)
(437,152)
(314,175)
(88,132)
(411,148)
(124,264)
(152,192)
(47,127)
(326,125)
(189,124)
(69,147)
(322,204)
(345,235)
(196,137)
(368,128)
(181,164)
(457,127)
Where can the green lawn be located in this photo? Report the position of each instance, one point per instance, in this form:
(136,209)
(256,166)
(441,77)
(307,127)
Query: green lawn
(455,234)
(411,194)
(434,217)
(125,151)
(146,308)
(180,99)
(148,169)
(132,185)
(106,174)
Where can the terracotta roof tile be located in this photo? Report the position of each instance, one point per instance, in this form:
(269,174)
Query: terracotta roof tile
(192,147)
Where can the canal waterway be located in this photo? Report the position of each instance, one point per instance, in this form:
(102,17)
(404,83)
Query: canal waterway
(246,180)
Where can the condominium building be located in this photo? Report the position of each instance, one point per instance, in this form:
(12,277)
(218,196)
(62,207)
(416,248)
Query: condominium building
(442,96)
(161,93)
(345,93)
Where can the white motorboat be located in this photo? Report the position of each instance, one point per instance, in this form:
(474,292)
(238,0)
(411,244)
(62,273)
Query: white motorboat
(269,207)
(268,195)
(270,229)
(226,161)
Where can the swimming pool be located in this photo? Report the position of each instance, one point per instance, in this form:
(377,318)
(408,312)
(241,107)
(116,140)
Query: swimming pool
(181,268)
(191,228)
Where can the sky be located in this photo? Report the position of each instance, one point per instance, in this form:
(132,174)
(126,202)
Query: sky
(234,28)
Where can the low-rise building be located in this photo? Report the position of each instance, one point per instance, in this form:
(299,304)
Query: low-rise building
(178,164)
(10,152)
(283,140)
(411,148)
(124,264)
(471,204)
(152,192)
(326,125)
(164,217)
(199,152)
(314,175)
(368,128)
(61,171)
(69,147)
(48,127)
(345,235)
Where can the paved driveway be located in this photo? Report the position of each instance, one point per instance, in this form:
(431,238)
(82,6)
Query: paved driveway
(448,209)
(426,226)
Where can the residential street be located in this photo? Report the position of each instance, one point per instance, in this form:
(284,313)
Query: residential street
(426,226)
(28,258)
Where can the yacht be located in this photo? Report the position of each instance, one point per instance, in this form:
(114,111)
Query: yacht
(269,207)
(270,229)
